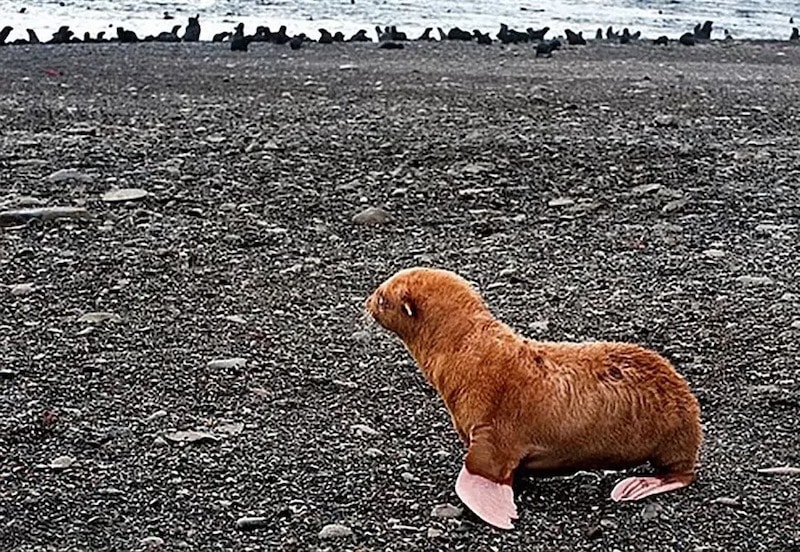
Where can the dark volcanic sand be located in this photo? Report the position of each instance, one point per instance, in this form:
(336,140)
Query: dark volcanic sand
(683,234)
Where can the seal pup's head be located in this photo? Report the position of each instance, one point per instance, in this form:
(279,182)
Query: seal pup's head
(423,300)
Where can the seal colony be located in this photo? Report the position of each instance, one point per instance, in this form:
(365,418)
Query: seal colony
(239,42)
(543,407)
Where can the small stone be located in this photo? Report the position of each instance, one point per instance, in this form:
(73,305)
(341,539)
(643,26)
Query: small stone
(226,363)
(539,325)
(608,523)
(364,429)
(594,532)
(7,373)
(191,437)
(754,280)
(69,174)
(372,216)
(651,511)
(152,542)
(21,216)
(666,121)
(62,462)
(18,290)
(645,189)
(561,202)
(99,317)
(727,501)
(155,415)
(335,531)
(781,470)
(235,318)
(160,442)
(230,429)
(373,452)
(446,511)
(348,67)
(249,523)
(434,533)
(714,253)
(124,194)
(675,205)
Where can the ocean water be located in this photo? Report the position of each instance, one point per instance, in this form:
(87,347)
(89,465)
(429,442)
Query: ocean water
(754,19)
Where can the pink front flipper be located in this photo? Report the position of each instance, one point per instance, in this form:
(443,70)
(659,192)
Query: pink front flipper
(492,502)
(636,488)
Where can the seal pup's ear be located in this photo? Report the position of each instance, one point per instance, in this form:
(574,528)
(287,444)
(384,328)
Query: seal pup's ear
(407,304)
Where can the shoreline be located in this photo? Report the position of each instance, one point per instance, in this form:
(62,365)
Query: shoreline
(632,193)
(311,29)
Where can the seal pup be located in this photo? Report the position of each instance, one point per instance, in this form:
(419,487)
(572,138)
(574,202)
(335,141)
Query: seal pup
(240,42)
(687,39)
(325,37)
(520,404)
(537,34)
(482,38)
(426,34)
(192,32)
(547,47)
(360,36)
(575,39)
(4,34)
(297,42)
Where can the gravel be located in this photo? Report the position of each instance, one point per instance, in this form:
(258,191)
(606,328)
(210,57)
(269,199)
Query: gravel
(191,350)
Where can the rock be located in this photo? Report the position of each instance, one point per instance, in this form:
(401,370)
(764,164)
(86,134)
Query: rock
(335,531)
(446,511)
(795,325)
(348,67)
(373,452)
(665,121)
(249,523)
(152,542)
(645,189)
(561,202)
(235,318)
(607,523)
(69,174)
(781,470)
(62,462)
(594,532)
(372,216)
(99,317)
(124,194)
(21,216)
(727,501)
(230,429)
(7,373)
(675,205)
(434,533)
(160,442)
(539,325)
(191,437)
(227,363)
(754,280)
(651,511)
(155,415)
(363,429)
(18,290)
(714,253)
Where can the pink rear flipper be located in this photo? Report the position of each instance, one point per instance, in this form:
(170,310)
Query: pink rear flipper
(492,502)
(636,488)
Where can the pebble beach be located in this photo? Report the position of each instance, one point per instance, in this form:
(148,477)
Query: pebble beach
(187,236)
